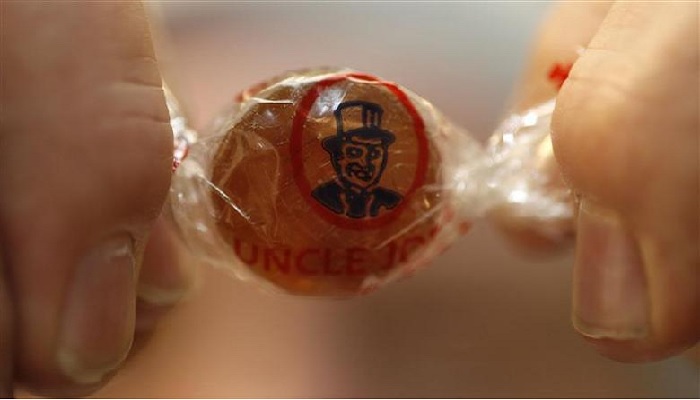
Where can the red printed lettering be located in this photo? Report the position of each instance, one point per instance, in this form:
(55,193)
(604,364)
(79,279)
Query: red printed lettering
(353,257)
(305,268)
(328,264)
(283,264)
(392,248)
(252,257)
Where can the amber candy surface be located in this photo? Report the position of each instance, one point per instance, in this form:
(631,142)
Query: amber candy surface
(328,183)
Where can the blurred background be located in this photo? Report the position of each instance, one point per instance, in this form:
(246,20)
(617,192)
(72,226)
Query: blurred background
(481,322)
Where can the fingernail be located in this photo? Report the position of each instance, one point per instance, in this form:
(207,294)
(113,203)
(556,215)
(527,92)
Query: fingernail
(6,337)
(610,298)
(160,296)
(98,322)
(165,276)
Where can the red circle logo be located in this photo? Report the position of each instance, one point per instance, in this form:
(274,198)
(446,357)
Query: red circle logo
(358,150)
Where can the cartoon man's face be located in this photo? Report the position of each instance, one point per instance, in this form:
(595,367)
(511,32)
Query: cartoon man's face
(361,162)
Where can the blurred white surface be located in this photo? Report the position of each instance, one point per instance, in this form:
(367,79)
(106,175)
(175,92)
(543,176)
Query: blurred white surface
(463,57)
(481,322)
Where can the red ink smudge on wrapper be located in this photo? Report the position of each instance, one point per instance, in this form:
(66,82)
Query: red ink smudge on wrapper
(558,73)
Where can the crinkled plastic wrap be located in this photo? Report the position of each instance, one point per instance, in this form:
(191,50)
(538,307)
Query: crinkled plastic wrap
(530,194)
(334,182)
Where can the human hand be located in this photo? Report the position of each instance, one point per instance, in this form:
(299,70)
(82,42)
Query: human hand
(625,133)
(86,151)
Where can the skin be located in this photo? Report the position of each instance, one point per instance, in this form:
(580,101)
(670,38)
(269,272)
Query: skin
(625,134)
(86,150)
(634,91)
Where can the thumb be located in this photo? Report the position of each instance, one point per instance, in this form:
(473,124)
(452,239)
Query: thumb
(6,328)
(86,148)
(625,132)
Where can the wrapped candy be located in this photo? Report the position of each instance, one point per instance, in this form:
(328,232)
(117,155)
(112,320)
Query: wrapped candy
(332,182)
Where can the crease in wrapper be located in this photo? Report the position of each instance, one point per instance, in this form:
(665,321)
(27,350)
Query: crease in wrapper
(526,185)
(333,182)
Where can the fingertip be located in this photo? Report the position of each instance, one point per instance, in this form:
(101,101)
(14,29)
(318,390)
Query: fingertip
(6,338)
(533,237)
(166,276)
(632,304)
(635,351)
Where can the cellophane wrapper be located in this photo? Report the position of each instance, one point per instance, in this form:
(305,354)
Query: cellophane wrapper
(332,182)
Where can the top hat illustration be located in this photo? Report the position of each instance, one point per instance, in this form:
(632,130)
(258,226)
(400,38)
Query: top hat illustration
(347,116)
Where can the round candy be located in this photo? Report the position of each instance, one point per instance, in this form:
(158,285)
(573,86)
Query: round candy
(330,182)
